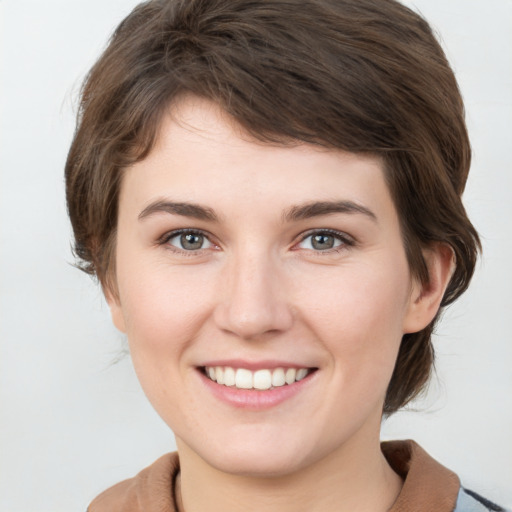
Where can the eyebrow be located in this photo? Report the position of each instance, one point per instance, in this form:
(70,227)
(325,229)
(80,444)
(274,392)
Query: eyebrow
(295,213)
(192,210)
(318,208)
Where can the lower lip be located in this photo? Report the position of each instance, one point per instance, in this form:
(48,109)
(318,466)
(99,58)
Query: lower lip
(254,399)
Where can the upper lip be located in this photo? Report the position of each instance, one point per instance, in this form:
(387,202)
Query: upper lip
(269,364)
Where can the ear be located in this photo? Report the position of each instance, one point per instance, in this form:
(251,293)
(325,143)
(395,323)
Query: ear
(114,303)
(426,298)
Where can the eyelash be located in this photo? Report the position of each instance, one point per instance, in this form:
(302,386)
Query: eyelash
(346,240)
(165,239)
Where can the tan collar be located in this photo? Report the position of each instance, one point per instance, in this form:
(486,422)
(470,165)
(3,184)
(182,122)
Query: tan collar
(428,486)
(152,490)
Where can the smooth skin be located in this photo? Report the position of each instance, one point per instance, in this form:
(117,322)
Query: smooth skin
(290,253)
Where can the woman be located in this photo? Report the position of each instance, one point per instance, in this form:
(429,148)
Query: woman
(269,194)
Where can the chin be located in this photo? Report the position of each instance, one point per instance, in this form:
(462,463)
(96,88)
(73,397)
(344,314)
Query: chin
(264,464)
(257,458)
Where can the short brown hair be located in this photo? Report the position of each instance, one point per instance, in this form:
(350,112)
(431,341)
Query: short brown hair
(365,76)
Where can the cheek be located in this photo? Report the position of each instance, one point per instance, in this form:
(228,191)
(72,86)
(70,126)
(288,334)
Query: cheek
(358,314)
(162,306)
(164,313)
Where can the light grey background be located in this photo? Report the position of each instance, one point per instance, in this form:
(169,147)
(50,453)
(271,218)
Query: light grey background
(72,423)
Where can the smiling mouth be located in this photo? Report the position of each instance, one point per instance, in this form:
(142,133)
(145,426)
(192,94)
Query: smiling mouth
(261,380)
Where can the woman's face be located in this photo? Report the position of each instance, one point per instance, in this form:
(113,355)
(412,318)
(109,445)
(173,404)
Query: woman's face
(280,268)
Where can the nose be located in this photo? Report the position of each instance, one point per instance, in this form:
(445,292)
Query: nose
(253,302)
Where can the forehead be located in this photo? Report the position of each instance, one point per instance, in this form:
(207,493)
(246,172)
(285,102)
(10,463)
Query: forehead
(201,154)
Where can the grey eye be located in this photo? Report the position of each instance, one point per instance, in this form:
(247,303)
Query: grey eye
(190,241)
(320,242)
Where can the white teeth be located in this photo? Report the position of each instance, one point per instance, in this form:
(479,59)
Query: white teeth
(243,379)
(301,374)
(264,379)
(290,375)
(229,376)
(278,378)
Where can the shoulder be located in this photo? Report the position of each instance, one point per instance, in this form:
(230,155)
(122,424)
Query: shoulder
(428,485)
(470,501)
(151,489)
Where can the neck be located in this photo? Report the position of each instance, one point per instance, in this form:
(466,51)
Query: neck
(353,478)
